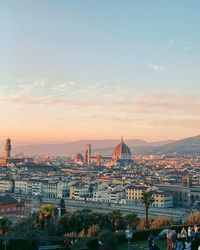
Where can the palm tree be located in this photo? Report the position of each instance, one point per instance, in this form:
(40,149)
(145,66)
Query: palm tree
(62,207)
(131,219)
(147,199)
(5,225)
(116,218)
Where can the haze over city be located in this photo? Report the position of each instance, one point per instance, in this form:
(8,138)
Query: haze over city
(99,131)
(74,70)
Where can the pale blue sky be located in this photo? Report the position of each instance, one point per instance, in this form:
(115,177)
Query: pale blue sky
(107,66)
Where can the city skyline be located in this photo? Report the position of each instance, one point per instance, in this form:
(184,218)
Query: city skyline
(87,70)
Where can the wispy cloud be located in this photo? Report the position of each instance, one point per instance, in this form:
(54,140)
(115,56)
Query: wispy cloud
(187,47)
(116,107)
(21,100)
(155,66)
(191,46)
(31,89)
(120,100)
(100,101)
(71,93)
(167,103)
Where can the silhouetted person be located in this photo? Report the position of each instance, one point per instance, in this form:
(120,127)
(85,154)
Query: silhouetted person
(195,242)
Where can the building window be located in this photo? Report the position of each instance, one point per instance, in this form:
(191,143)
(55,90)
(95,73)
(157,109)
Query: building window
(2,210)
(8,209)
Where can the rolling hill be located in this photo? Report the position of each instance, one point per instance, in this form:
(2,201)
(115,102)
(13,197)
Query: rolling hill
(186,146)
(190,145)
(104,147)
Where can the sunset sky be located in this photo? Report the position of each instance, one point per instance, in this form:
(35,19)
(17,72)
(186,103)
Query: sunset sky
(86,69)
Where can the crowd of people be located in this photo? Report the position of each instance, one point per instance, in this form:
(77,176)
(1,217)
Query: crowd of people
(186,239)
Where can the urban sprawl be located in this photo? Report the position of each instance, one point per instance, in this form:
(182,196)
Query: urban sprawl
(100,183)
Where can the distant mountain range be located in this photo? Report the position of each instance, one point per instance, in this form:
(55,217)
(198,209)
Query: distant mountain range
(189,145)
(186,146)
(68,148)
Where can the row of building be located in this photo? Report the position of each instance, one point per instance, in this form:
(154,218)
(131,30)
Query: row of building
(44,188)
(165,195)
(103,192)
(119,194)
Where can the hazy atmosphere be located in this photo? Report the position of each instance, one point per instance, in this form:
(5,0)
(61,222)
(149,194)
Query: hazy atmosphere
(74,70)
(100,125)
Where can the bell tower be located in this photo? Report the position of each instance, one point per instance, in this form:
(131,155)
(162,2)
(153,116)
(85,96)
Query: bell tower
(8,148)
(87,155)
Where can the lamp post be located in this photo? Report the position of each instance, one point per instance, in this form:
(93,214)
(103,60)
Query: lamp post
(129,234)
(5,242)
(189,200)
(100,244)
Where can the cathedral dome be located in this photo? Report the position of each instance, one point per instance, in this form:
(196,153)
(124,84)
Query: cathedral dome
(121,151)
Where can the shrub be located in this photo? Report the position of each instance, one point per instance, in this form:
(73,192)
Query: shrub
(108,240)
(194,218)
(161,222)
(19,244)
(93,244)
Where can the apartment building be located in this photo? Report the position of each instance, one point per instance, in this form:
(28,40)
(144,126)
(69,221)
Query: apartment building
(6,186)
(134,193)
(52,189)
(21,186)
(184,194)
(78,191)
(162,199)
(11,207)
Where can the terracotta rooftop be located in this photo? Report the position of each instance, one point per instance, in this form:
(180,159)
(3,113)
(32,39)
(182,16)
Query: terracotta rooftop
(7,199)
